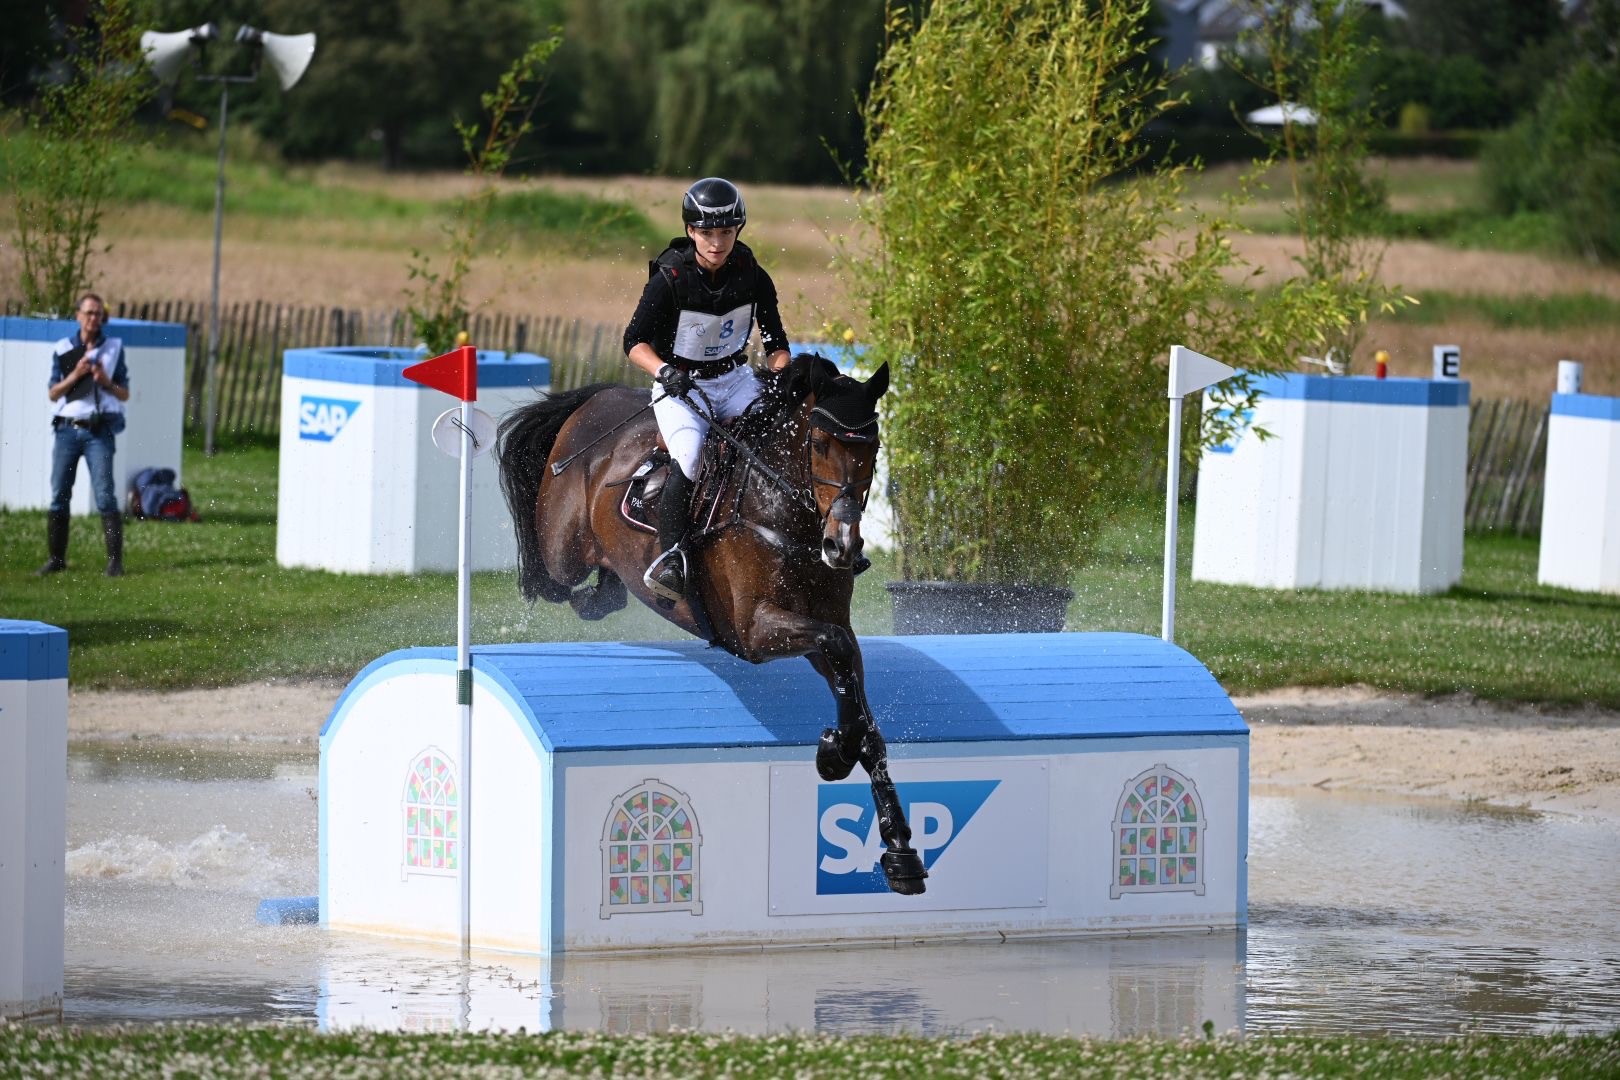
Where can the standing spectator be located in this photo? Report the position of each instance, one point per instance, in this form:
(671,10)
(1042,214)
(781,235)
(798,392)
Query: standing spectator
(89,385)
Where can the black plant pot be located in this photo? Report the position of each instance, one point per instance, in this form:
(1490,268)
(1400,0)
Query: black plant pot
(969,607)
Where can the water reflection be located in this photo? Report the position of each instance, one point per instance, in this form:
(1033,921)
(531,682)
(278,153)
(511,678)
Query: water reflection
(1367,915)
(1116,987)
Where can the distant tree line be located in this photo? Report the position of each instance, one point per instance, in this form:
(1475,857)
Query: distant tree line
(764,89)
(760,89)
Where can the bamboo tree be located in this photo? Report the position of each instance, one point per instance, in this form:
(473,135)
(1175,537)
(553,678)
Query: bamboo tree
(1316,54)
(438,306)
(1024,293)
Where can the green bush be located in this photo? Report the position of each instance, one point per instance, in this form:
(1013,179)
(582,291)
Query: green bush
(1564,158)
(61,175)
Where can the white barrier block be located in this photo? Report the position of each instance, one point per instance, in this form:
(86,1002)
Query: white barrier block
(33,804)
(155,412)
(1363,487)
(361,488)
(1580,512)
(637,796)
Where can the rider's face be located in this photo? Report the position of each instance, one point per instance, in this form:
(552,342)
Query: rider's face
(713,245)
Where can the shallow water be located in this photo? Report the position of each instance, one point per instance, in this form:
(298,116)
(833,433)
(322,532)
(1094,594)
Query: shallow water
(1366,915)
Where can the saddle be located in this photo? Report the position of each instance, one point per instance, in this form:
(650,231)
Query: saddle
(642,492)
(639,507)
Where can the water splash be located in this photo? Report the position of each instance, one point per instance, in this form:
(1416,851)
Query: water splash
(219,858)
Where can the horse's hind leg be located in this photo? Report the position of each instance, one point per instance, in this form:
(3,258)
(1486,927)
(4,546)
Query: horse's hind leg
(597,601)
(857,738)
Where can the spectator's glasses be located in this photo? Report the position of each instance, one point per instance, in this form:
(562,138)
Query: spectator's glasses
(93,313)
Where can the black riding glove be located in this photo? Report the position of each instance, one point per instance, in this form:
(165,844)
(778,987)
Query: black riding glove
(676,383)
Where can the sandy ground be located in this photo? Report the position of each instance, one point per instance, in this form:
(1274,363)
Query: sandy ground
(1559,761)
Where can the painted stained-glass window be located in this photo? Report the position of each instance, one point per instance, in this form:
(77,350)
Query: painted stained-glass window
(650,850)
(1158,835)
(432,812)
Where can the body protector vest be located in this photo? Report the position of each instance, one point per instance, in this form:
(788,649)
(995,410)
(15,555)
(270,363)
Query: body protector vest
(712,321)
(87,400)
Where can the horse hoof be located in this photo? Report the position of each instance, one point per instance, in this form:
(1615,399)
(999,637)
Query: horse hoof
(830,763)
(597,601)
(904,869)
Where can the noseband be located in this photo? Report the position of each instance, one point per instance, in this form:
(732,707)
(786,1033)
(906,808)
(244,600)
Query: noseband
(864,433)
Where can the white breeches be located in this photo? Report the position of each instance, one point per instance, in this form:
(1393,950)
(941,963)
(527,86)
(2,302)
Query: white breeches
(683,429)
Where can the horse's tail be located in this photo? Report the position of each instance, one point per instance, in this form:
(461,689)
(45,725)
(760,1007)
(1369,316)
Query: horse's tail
(523,448)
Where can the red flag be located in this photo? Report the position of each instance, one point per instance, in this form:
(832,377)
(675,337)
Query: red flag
(455,373)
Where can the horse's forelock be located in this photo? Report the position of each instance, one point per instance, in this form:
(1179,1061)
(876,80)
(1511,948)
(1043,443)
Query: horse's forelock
(848,402)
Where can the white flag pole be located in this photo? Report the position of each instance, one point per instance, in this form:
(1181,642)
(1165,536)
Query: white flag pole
(455,433)
(1189,371)
(1172,488)
(464,668)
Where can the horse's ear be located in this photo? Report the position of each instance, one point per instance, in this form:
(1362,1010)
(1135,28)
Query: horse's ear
(809,372)
(878,384)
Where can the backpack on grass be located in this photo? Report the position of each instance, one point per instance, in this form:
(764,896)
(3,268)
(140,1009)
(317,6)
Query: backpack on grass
(152,495)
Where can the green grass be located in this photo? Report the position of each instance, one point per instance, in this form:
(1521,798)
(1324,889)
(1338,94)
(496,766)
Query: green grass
(1559,311)
(232,1050)
(1476,228)
(181,174)
(1469,228)
(206,605)
(1497,634)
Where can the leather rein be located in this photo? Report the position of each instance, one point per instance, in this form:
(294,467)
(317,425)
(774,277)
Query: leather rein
(801,496)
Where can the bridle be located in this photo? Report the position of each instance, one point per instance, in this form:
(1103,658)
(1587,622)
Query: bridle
(865,433)
(804,496)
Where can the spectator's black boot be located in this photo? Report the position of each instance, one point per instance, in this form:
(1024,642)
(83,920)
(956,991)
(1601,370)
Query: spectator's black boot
(56,537)
(112,528)
(666,577)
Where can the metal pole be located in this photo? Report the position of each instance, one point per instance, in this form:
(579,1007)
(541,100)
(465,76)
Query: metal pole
(464,669)
(213,308)
(1172,490)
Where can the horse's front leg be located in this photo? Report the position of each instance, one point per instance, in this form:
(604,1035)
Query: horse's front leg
(837,656)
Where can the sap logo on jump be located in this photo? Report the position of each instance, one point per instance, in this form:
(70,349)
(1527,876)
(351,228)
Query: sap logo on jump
(848,844)
(321,418)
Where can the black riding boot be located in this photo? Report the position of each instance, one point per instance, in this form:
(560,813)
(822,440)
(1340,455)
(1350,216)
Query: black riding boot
(56,538)
(112,529)
(666,577)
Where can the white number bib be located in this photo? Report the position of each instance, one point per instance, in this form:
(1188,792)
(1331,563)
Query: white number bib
(701,337)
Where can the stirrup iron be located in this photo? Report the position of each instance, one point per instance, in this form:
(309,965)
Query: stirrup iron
(656,586)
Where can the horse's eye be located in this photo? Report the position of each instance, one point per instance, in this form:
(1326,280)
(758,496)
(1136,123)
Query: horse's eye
(821,446)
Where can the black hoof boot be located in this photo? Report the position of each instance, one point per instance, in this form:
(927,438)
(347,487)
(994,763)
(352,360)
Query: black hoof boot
(831,764)
(904,869)
(598,601)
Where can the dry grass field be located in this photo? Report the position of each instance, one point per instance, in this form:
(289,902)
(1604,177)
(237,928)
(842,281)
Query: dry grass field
(161,252)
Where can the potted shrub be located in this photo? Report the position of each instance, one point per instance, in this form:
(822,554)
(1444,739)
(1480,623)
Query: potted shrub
(1025,298)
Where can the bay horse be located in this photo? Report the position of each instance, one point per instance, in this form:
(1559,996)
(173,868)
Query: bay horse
(771,551)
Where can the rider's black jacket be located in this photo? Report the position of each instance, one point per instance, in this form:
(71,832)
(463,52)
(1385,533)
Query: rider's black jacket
(677,284)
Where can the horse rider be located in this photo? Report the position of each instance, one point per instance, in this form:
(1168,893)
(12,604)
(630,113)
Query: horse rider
(690,331)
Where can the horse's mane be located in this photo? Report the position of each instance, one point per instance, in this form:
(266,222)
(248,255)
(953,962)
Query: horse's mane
(804,375)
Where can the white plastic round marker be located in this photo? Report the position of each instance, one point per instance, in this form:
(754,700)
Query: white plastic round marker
(447,431)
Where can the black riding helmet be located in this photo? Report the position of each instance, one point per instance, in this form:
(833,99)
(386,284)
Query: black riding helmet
(713,203)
